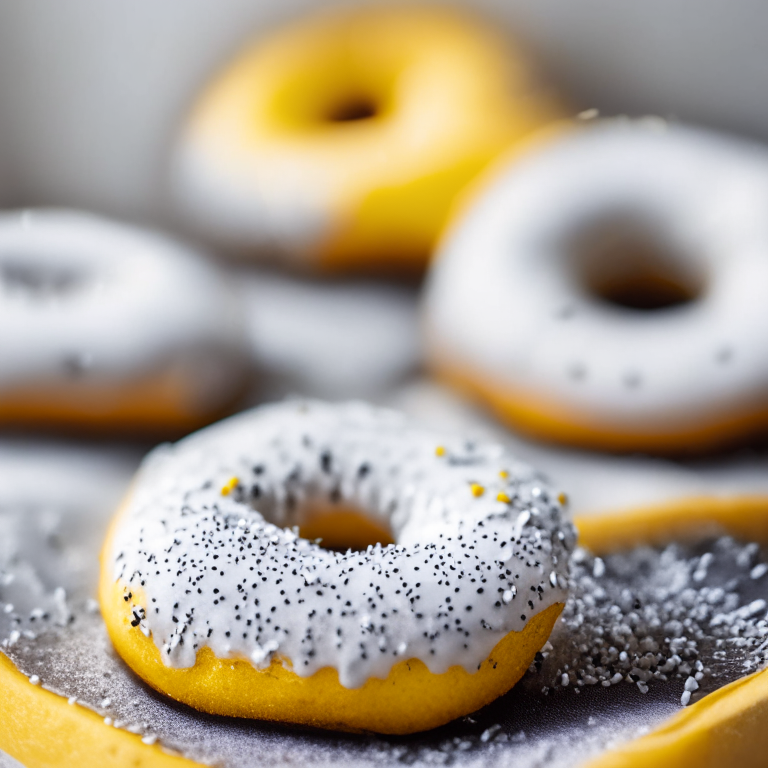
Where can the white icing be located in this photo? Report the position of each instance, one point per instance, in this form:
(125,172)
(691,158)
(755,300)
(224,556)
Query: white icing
(82,298)
(505,297)
(230,573)
(259,199)
(329,338)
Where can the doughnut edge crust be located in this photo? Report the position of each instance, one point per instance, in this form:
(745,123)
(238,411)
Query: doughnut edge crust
(41,730)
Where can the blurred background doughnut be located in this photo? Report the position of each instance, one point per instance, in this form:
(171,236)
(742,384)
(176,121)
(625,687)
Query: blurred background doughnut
(341,140)
(667,494)
(331,338)
(607,289)
(112,327)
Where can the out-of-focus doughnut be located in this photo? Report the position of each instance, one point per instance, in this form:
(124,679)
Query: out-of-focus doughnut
(212,596)
(607,290)
(655,498)
(109,326)
(341,141)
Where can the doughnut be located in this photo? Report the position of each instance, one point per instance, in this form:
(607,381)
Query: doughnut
(111,327)
(331,338)
(340,142)
(605,290)
(68,699)
(213,594)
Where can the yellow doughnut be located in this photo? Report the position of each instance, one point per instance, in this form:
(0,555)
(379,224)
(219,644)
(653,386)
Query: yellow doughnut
(342,140)
(229,610)
(41,729)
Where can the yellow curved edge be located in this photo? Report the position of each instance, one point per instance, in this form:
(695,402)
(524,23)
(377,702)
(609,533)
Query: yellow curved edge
(160,404)
(691,517)
(726,727)
(546,419)
(451,93)
(408,700)
(41,730)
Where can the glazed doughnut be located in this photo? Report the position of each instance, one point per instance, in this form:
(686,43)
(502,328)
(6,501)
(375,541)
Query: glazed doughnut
(331,338)
(212,596)
(606,290)
(64,719)
(106,325)
(341,141)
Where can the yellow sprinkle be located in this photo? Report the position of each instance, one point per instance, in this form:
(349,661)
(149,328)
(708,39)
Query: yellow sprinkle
(229,486)
(502,497)
(562,498)
(503,474)
(440,450)
(477,489)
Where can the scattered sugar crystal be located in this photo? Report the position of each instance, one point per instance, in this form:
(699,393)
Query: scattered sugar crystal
(758,571)
(647,615)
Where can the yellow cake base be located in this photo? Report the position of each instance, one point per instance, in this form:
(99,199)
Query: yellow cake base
(545,419)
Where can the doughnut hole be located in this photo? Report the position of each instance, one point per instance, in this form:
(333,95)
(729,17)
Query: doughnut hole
(627,264)
(332,523)
(342,528)
(38,280)
(352,109)
(343,91)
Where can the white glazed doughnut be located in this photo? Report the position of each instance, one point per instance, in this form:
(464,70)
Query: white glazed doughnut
(106,324)
(339,142)
(205,560)
(536,300)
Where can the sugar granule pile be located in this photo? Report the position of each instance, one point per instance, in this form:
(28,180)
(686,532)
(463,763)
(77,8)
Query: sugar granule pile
(694,613)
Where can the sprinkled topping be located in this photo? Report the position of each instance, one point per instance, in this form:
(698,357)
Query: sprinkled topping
(230,486)
(229,571)
(687,613)
(503,497)
(440,450)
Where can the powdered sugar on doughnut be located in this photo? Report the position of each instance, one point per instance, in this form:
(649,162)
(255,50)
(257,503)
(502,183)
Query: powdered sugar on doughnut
(85,299)
(481,544)
(512,296)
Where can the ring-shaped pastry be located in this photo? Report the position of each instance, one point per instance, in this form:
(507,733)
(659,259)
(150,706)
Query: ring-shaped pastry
(47,724)
(212,596)
(106,325)
(341,141)
(606,290)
